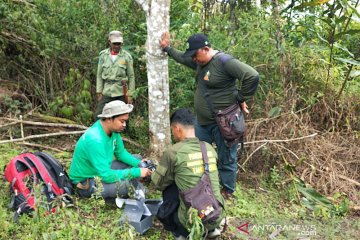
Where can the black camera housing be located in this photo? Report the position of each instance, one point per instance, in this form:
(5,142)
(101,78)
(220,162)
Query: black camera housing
(149,164)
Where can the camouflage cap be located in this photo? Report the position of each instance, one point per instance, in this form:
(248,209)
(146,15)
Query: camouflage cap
(116,37)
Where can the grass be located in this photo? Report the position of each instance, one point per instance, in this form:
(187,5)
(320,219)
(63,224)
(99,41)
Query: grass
(252,214)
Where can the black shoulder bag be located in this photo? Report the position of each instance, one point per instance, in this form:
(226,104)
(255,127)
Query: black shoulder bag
(201,197)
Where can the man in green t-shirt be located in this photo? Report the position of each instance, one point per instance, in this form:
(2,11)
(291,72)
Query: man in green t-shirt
(95,151)
(115,68)
(181,168)
(216,78)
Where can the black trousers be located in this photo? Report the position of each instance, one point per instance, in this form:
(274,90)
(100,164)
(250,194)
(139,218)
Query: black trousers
(167,213)
(111,190)
(105,99)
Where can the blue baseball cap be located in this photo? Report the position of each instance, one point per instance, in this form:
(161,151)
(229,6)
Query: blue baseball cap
(195,42)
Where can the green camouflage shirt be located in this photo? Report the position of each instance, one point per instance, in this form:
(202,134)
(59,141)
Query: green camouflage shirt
(110,73)
(183,164)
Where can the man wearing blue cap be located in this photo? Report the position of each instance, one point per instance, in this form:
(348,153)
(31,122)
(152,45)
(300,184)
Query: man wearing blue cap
(216,75)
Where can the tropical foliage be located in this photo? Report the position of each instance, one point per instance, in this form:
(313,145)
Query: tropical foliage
(307,53)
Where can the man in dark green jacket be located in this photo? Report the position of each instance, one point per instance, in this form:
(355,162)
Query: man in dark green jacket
(115,66)
(181,168)
(218,73)
(95,151)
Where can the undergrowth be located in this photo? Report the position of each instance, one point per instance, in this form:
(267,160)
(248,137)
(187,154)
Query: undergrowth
(254,213)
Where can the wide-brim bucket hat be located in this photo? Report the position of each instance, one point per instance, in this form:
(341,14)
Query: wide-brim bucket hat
(115,108)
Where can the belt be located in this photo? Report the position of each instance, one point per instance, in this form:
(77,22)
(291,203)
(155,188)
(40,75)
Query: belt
(113,81)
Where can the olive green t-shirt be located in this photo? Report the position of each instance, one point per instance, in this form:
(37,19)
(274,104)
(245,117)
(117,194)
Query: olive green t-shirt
(183,164)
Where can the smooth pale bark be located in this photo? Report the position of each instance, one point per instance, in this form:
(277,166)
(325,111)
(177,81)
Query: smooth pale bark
(157,20)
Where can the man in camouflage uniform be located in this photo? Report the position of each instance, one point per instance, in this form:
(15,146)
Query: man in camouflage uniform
(115,65)
(181,168)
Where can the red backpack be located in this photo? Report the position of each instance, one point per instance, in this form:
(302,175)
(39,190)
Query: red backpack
(27,170)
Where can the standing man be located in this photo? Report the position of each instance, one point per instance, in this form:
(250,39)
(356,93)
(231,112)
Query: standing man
(181,168)
(217,73)
(95,151)
(115,69)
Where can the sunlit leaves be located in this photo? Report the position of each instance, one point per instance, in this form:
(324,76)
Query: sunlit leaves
(349,61)
(312,3)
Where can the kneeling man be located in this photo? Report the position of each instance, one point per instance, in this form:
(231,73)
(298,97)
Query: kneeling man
(181,168)
(95,151)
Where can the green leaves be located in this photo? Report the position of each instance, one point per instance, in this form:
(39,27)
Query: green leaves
(194,224)
(75,101)
(275,112)
(312,3)
(349,61)
(321,206)
(354,74)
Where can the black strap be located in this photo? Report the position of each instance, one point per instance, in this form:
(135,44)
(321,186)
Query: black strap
(206,171)
(205,157)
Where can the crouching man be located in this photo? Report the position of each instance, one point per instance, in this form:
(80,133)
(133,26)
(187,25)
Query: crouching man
(181,168)
(95,151)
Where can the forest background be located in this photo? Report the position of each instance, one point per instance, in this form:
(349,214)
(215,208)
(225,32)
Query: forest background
(302,155)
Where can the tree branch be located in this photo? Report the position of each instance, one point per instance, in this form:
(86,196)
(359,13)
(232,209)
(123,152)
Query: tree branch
(41,146)
(42,136)
(257,149)
(284,140)
(43,124)
(144,4)
(265,142)
(349,180)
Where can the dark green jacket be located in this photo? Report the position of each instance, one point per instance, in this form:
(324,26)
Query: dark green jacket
(183,164)
(220,76)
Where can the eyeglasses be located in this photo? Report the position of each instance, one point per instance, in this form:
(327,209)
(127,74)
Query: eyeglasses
(116,43)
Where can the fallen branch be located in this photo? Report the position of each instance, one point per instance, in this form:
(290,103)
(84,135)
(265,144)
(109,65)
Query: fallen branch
(43,124)
(63,133)
(42,136)
(282,140)
(257,149)
(288,150)
(41,146)
(8,124)
(349,180)
(15,121)
(133,143)
(265,142)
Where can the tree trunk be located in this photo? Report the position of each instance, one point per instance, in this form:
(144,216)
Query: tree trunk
(285,62)
(158,21)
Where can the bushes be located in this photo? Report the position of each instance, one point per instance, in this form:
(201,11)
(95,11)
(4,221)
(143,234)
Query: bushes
(51,49)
